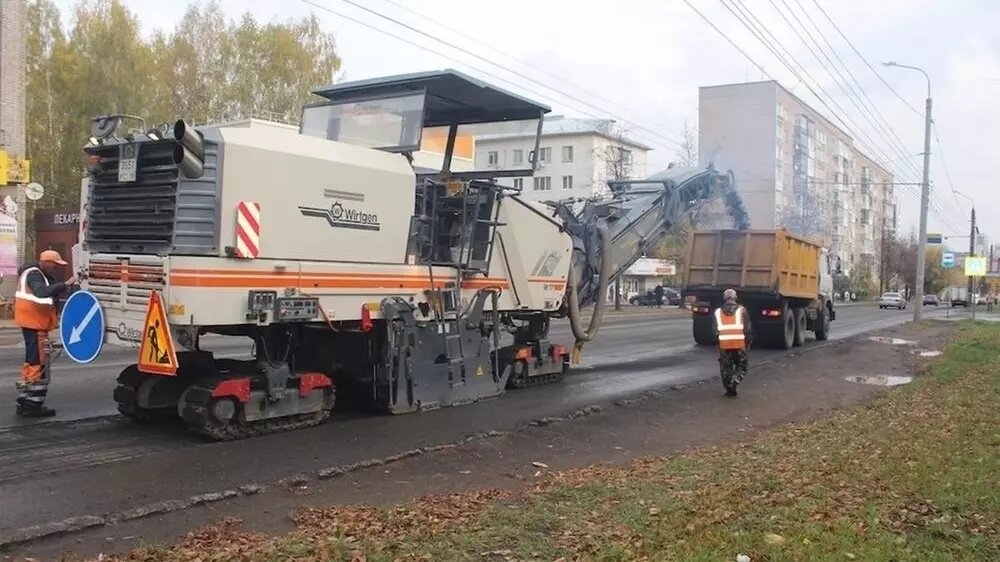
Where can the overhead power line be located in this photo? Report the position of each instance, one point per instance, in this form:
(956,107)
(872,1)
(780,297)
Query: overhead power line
(486,60)
(771,48)
(865,60)
(508,56)
(760,31)
(728,40)
(885,131)
(493,76)
(856,81)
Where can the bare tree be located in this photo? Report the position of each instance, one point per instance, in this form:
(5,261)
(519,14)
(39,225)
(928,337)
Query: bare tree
(806,215)
(616,160)
(616,156)
(687,151)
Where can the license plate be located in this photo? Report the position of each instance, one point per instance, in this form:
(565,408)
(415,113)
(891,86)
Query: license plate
(128,155)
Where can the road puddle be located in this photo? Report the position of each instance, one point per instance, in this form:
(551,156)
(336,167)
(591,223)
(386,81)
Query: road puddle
(882,380)
(926,352)
(891,341)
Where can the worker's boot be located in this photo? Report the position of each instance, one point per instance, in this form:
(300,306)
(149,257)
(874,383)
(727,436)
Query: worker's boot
(29,410)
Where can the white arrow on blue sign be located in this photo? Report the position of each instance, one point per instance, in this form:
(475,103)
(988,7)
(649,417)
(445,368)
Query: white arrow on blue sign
(81,327)
(948,259)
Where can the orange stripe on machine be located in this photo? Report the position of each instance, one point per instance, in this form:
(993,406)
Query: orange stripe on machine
(250,278)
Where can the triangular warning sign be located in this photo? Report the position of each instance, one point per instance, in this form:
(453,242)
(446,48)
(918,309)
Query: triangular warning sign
(156,352)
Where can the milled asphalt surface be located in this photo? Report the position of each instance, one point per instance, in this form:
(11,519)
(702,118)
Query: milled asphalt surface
(88,462)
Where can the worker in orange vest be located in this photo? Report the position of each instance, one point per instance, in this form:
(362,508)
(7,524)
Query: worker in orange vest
(732,325)
(35,311)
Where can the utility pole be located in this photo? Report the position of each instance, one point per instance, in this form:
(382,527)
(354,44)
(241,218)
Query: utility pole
(881,267)
(618,292)
(972,250)
(925,191)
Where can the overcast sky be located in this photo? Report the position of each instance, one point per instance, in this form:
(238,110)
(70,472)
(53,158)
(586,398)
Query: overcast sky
(642,62)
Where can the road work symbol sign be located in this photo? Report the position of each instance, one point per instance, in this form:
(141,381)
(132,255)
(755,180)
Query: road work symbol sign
(156,352)
(81,327)
(948,260)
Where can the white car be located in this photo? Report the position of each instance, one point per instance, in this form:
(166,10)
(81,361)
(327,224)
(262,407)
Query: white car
(892,300)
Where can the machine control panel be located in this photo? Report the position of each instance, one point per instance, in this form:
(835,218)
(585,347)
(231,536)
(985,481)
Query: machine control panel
(297,309)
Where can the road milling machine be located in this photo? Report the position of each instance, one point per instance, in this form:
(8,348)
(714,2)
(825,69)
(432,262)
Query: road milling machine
(351,261)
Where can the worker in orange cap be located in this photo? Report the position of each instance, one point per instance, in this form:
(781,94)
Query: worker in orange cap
(35,311)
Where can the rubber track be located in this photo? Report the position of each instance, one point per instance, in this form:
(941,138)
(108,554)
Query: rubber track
(130,381)
(538,380)
(234,431)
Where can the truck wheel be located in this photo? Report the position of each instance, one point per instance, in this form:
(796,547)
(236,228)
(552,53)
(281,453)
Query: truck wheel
(799,316)
(822,330)
(785,332)
(702,328)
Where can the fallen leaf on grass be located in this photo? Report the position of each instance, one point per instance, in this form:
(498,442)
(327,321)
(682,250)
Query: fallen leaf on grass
(774,539)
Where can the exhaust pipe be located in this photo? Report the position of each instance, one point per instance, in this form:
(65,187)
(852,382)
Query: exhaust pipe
(189,164)
(186,135)
(189,154)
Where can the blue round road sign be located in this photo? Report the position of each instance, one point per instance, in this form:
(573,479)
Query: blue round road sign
(81,327)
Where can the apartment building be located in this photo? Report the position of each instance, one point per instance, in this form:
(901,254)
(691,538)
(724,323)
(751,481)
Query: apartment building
(796,169)
(576,157)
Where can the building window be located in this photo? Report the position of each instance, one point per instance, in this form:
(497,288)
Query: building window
(518,156)
(519,183)
(493,157)
(567,154)
(546,155)
(626,155)
(567,182)
(543,183)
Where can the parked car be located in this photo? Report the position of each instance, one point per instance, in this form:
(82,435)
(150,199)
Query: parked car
(892,300)
(931,300)
(670,296)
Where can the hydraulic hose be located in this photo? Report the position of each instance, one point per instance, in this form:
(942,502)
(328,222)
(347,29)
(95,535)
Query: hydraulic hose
(603,276)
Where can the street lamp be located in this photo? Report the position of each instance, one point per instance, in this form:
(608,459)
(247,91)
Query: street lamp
(925,190)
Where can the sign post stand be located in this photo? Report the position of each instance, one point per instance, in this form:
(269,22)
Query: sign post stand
(975,266)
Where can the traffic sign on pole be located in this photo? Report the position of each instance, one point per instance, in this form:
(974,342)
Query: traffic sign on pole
(934,238)
(81,327)
(975,266)
(948,260)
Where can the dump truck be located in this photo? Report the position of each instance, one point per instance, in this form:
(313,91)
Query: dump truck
(785,282)
(348,262)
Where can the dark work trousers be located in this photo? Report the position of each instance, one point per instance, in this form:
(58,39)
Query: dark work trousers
(34,383)
(733,364)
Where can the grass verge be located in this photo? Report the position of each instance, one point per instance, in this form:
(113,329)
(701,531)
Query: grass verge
(912,476)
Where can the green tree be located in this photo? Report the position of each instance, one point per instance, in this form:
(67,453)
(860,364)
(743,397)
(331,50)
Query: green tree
(206,69)
(45,110)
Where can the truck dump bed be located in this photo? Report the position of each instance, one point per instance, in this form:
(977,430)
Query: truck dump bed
(761,261)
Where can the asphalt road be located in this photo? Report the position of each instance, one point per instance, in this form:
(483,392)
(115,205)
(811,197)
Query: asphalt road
(89,462)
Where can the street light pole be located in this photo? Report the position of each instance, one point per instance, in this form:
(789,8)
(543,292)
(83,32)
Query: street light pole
(925,191)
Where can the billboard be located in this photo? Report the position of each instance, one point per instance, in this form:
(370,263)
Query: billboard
(650,267)
(8,245)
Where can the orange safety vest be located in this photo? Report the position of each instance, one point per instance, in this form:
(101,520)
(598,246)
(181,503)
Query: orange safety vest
(30,311)
(731,336)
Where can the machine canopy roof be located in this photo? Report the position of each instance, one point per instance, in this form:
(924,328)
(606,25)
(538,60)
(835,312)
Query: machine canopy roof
(450,97)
